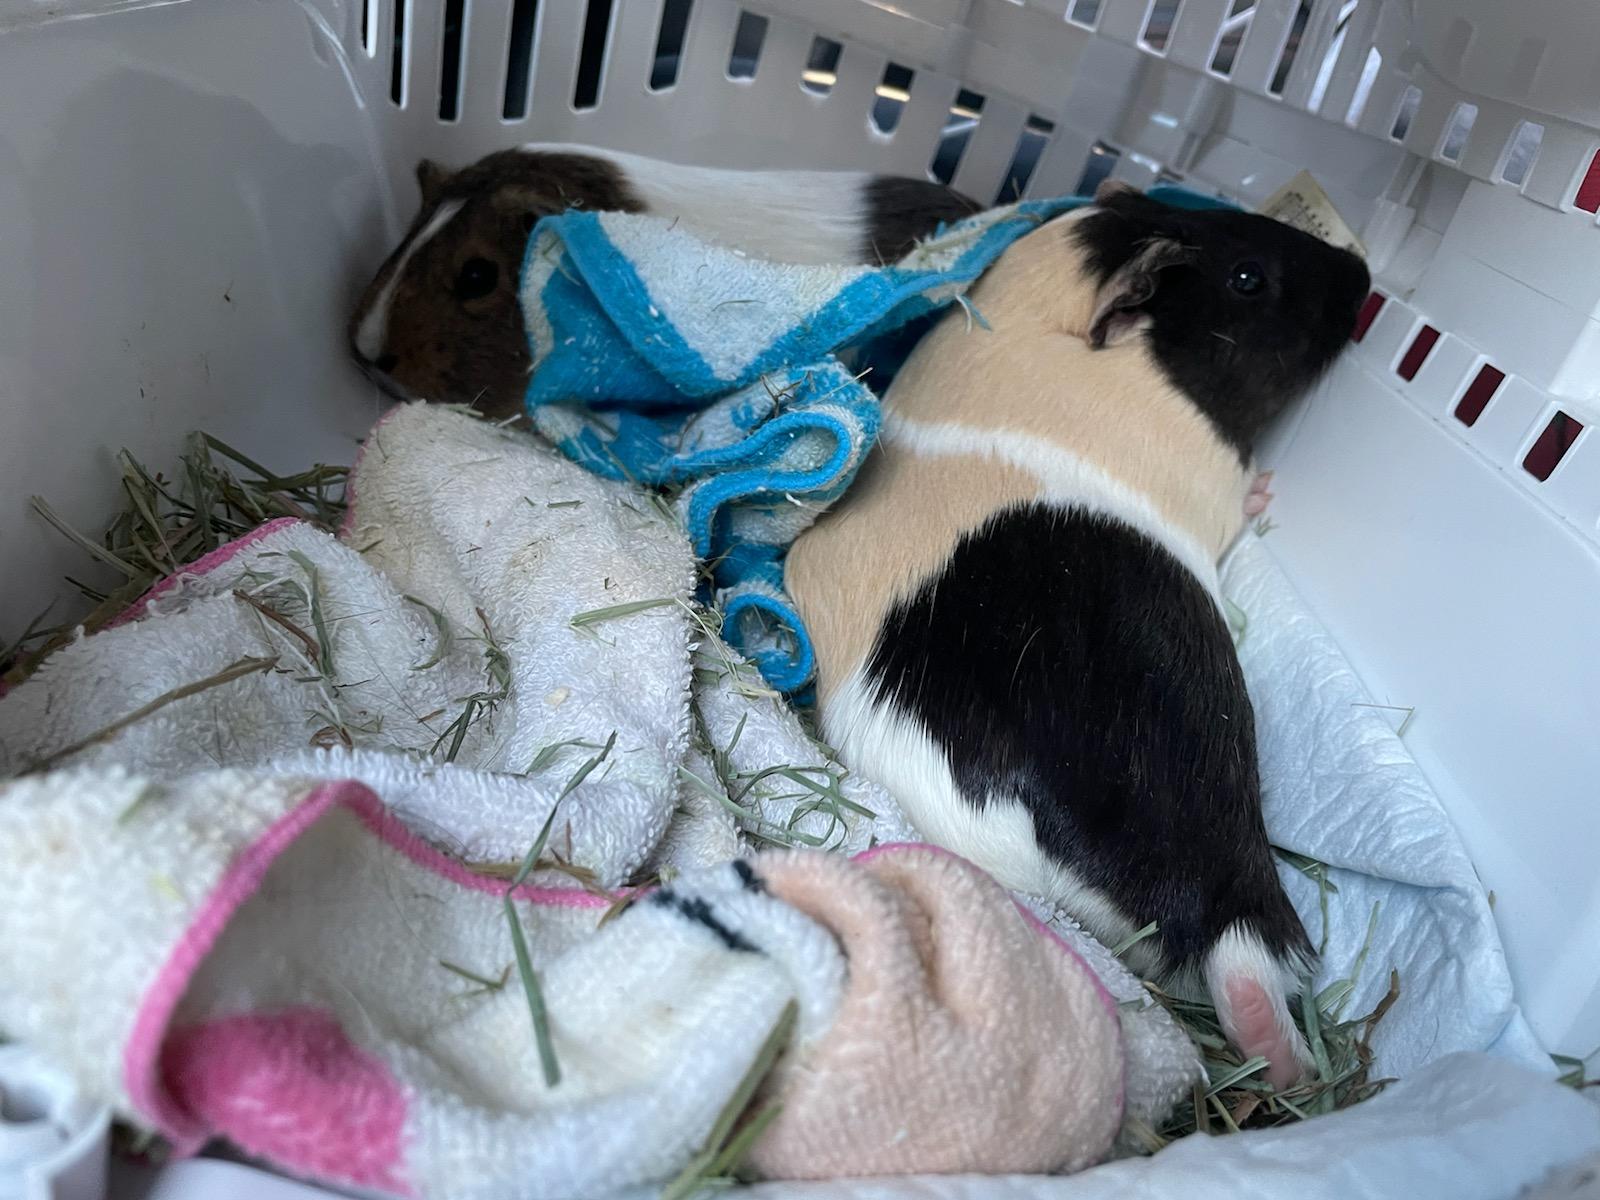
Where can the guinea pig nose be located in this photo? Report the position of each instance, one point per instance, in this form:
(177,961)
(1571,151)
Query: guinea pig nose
(386,362)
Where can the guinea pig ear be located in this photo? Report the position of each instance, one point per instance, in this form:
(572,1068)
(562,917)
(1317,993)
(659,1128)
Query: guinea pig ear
(1119,304)
(431,178)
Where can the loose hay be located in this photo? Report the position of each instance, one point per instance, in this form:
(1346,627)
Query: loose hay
(168,523)
(1235,1096)
(220,494)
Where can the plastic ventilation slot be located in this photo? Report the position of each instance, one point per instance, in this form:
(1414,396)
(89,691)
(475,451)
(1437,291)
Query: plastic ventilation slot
(1522,151)
(1363,92)
(1551,446)
(369,27)
(1417,353)
(669,44)
(1097,168)
(964,116)
(397,58)
(1458,131)
(1085,13)
(519,60)
(1035,136)
(893,91)
(1410,101)
(745,55)
(822,66)
(450,60)
(1370,307)
(592,55)
(1330,56)
(1588,197)
(1158,24)
(1478,394)
(1231,36)
(1291,48)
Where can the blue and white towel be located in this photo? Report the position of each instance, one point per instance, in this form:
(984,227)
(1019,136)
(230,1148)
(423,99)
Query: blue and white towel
(749,389)
(660,358)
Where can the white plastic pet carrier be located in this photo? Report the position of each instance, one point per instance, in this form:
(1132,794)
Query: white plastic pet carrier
(193,192)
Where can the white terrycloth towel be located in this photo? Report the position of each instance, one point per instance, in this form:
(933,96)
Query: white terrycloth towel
(492,619)
(280,961)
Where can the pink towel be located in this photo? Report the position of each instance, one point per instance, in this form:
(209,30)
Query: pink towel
(969,1038)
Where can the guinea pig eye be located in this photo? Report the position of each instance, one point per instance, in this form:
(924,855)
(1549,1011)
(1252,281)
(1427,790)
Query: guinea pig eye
(476,279)
(1247,278)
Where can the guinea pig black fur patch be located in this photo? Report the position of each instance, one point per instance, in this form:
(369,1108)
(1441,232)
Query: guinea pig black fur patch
(1065,660)
(1244,320)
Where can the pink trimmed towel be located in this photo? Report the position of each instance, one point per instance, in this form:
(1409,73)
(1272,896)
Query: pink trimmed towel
(282,963)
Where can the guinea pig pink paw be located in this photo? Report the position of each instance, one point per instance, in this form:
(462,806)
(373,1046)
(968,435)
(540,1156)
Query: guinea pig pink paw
(1257,499)
(1257,1031)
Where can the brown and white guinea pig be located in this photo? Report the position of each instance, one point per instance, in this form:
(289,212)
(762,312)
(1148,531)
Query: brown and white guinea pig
(1016,609)
(441,320)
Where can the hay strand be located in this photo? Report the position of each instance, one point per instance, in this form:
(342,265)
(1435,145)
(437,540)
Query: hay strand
(615,612)
(313,650)
(531,989)
(729,1140)
(446,634)
(233,671)
(519,942)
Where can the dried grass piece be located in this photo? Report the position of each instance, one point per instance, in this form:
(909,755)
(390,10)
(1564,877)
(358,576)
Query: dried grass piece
(313,650)
(233,671)
(736,1130)
(168,523)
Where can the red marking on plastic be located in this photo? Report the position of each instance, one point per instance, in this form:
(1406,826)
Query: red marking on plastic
(1421,346)
(1369,313)
(1478,394)
(1552,446)
(1588,197)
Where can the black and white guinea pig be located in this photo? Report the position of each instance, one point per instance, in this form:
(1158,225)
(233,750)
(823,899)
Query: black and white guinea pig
(441,320)
(1016,609)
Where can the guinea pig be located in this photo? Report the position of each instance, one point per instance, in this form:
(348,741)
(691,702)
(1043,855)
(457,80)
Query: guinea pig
(1016,608)
(441,320)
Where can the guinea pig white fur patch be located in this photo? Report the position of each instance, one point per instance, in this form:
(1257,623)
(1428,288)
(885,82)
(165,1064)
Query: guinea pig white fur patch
(995,834)
(786,216)
(373,329)
(1065,478)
